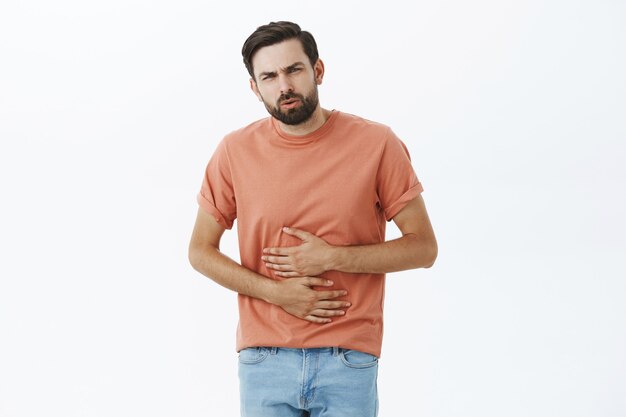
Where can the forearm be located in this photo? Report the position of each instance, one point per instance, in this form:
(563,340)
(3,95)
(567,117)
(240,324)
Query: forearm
(407,252)
(296,296)
(212,263)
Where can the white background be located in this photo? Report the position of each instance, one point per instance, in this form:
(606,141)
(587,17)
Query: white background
(514,114)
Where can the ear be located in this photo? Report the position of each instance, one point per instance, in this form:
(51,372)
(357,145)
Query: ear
(318,69)
(255,89)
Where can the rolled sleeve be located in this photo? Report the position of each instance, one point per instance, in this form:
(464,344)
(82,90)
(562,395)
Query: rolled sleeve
(404,199)
(217,196)
(396,181)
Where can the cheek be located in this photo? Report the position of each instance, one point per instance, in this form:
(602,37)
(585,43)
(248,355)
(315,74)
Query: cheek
(267,94)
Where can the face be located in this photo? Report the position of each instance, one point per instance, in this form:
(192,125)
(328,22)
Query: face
(286,82)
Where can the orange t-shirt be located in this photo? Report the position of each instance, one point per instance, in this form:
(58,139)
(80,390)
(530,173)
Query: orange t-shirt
(340,183)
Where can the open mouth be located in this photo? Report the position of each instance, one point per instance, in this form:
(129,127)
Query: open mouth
(289,104)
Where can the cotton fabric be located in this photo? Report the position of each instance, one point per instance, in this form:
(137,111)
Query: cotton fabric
(342,183)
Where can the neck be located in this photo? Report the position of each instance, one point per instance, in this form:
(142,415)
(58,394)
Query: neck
(317,120)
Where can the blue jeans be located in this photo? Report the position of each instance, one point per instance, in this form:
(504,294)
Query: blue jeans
(318,382)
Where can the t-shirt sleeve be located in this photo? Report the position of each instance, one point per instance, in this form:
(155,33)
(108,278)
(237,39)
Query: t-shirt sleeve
(217,195)
(396,181)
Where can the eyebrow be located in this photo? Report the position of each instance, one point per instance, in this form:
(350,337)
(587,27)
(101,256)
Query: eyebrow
(292,66)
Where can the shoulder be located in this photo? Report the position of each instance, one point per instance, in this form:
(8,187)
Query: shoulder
(235,141)
(368,133)
(361,123)
(377,138)
(247,133)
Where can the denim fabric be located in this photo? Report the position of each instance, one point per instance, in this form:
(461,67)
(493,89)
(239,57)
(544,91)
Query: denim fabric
(318,382)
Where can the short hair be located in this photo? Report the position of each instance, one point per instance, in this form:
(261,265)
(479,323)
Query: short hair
(273,33)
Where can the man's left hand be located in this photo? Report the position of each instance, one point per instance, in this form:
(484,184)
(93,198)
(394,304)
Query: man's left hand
(311,258)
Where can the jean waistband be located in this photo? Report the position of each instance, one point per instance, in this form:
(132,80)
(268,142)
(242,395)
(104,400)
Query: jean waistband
(333,350)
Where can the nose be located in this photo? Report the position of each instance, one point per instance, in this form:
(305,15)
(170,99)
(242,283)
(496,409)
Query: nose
(284,83)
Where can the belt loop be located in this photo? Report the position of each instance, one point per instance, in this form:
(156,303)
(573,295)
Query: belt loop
(273,350)
(335,351)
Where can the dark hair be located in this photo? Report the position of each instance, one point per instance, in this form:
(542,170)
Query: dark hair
(274,33)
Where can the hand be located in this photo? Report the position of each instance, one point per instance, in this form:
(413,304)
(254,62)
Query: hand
(311,258)
(297,297)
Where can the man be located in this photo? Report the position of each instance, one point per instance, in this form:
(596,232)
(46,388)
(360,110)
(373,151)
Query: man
(311,190)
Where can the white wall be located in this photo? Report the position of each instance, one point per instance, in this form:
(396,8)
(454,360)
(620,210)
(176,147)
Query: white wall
(514,113)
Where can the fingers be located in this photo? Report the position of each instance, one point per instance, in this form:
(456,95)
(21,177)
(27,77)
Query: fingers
(284,266)
(283,251)
(325,295)
(324,316)
(333,304)
(317,319)
(327,313)
(312,304)
(278,263)
(329,295)
(318,282)
(288,274)
(300,234)
(272,266)
(275,259)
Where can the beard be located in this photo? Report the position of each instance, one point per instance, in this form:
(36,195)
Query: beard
(297,115)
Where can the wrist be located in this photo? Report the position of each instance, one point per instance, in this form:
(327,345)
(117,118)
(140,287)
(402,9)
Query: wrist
(335,258)
(270,289)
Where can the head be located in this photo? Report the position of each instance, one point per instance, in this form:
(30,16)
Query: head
(273,33)
(285,69)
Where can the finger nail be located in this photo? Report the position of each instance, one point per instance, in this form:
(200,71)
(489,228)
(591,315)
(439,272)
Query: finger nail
(329,283)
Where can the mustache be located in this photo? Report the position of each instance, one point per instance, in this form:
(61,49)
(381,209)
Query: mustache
(290,96)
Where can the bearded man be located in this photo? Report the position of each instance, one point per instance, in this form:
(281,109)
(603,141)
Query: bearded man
(312,190)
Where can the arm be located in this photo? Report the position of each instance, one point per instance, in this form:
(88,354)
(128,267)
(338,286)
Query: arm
(417,248)
(295,295)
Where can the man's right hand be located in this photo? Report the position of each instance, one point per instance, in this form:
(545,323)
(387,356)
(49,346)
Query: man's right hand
(294,295)
(297,297)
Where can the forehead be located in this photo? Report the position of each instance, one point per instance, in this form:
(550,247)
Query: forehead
(277,56)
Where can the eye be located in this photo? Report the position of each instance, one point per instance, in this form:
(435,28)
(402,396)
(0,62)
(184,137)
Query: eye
(291,70)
